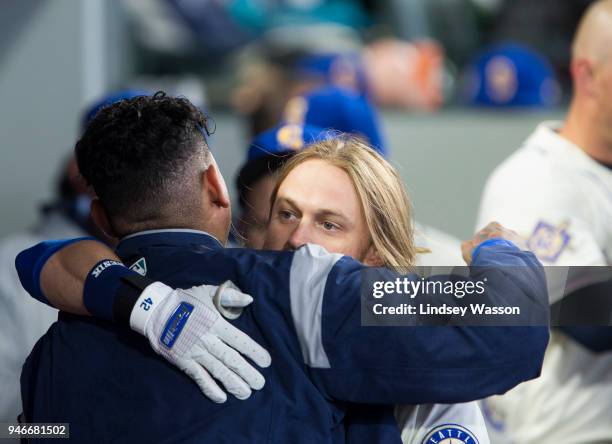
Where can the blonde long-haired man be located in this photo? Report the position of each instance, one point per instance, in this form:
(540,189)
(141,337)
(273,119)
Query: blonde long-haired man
(557,191)
(361,210)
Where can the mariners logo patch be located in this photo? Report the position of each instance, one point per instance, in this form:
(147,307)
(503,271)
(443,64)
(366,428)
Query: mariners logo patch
(502,80)
(548,241)
(140,266)
(291,136)
(450,434)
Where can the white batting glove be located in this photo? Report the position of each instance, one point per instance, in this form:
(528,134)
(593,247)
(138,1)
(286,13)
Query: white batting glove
(185,327)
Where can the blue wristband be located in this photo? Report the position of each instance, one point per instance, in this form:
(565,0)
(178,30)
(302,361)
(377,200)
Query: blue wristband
(489,242)
(29,264)
(102,286)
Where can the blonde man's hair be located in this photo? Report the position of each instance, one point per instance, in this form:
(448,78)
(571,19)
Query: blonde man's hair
(381,192)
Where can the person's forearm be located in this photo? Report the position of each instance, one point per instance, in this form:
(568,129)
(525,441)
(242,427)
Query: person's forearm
(63,276)
(58,273)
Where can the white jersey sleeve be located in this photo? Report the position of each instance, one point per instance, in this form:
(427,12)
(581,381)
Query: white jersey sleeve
(560,225)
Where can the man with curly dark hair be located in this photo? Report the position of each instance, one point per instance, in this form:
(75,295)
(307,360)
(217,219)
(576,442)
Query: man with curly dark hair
(155,149)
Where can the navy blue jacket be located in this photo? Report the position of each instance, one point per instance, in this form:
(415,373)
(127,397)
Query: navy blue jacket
(111,387)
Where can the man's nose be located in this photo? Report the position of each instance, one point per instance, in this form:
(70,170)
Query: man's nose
(300,236)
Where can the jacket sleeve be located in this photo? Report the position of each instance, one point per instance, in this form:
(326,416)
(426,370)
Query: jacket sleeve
(413,364)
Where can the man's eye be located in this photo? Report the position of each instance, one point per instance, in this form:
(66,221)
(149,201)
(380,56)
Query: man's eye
(329,226)
(286,215)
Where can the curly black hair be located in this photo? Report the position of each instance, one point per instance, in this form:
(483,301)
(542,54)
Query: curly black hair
(142,157)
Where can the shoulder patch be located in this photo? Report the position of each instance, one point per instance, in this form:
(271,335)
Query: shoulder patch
(450,434)
(548,241)
(140,266)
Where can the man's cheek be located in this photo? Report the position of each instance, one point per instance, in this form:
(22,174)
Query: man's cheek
(274,237)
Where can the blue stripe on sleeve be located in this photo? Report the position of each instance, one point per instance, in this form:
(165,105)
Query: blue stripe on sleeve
(490,242)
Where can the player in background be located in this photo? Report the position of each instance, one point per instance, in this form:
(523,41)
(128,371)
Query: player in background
(257,177)
(556,190)
(307,118)
(21,321)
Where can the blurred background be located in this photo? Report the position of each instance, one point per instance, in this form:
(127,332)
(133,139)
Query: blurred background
(459,83)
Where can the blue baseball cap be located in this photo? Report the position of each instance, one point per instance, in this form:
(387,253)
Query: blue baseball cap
(338,109)
(269,150)
(510,75)
(285,139)
(107,100)
(336,69)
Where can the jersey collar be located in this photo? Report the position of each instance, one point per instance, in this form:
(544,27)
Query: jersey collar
(547,137)
(547,134)
(168,237)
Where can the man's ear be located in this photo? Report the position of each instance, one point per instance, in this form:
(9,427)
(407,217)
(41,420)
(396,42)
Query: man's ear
(100,218)
(372,258)
(215,187)
(583,75)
